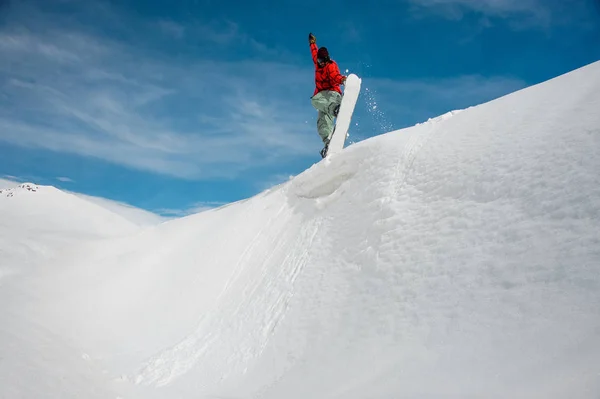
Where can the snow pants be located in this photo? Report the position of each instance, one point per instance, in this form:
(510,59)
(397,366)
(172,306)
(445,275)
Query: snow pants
(325,102)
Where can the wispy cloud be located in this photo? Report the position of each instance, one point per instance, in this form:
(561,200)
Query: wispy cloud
(520,13)
(172,28)
(222,34)
(350,31)
(502,7)
(68,90)
(65,179)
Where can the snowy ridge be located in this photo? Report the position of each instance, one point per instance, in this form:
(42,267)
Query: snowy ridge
(11,192)
(443,117)
(457,258)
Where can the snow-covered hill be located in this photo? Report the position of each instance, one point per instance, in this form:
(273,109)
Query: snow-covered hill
(37,223)
(457,258)
(47,209)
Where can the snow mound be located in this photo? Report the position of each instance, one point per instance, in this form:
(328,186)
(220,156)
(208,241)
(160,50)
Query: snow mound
(457,258)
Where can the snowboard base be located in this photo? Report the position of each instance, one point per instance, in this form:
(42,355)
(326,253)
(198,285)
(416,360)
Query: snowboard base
(342,122)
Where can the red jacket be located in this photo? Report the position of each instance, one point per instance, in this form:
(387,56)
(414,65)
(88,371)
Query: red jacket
(328,77)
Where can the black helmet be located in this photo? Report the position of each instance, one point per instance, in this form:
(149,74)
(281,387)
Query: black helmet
(323,55)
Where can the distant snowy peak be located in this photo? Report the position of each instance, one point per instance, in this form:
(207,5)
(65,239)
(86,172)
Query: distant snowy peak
(21,188)
(25,191)
(46,208)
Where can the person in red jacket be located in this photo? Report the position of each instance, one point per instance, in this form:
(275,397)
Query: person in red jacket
(327,96)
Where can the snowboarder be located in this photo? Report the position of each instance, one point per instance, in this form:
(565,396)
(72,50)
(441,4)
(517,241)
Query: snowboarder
(327,96)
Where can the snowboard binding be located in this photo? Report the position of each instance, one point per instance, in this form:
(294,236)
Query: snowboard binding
(324,151)
(336,111)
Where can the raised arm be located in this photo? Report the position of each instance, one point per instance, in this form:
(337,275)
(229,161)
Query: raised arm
(312,40)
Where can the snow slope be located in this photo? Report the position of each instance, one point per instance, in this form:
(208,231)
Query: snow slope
(457,258)
(37,225)
(138,216)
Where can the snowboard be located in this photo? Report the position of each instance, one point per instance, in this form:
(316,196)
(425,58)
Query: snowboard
(342,122)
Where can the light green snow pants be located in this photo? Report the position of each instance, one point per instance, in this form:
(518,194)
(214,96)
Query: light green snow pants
(325,102)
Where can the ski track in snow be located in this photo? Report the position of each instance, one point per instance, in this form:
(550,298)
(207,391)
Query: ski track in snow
(457,258)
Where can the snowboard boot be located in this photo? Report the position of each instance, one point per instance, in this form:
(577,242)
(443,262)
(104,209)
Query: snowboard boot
(336,111)
(324,150)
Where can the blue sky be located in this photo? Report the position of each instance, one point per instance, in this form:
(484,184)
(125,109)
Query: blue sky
(179,106)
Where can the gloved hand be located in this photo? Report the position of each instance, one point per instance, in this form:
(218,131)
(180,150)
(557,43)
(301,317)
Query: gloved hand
(311,38)
(343,80)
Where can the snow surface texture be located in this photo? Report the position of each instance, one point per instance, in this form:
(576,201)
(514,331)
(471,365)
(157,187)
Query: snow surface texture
(342,122)
(459,258)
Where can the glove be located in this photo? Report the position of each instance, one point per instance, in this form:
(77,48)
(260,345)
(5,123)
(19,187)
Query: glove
(311,38)
(344,80)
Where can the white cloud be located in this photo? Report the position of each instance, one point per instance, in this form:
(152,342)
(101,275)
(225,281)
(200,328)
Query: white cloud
(487,6)
(224,32)
(65,179)
(69,91)
(221,33)
(522,12)
(172,28)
